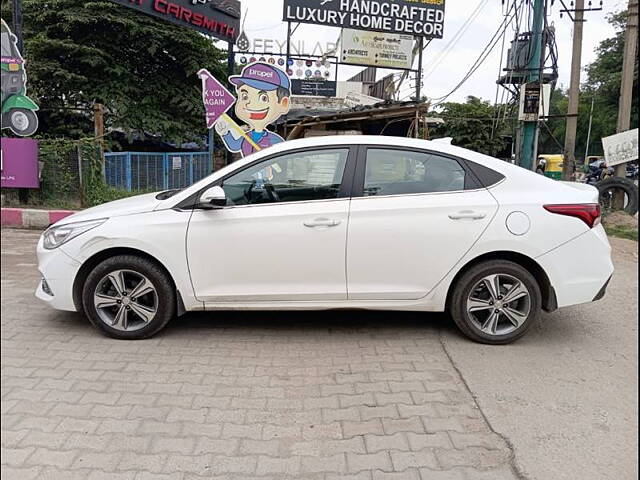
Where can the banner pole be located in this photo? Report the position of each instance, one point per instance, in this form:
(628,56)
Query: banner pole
(238,129)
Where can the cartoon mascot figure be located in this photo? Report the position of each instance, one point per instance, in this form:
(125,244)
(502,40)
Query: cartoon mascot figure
(263,96)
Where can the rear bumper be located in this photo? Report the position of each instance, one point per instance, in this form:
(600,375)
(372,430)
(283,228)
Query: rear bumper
(580,270)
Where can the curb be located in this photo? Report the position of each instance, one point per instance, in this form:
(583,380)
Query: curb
(31,218)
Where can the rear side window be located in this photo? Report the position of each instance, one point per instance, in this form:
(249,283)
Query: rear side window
(403,172)
(486,176)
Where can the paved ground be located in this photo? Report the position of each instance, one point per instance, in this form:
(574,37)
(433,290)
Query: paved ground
(315,396)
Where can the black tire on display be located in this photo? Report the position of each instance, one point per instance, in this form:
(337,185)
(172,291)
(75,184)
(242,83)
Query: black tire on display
(610,185)
(496,302)
(22,122)
(129,297)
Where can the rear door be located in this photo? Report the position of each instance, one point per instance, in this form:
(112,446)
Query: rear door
(414,214)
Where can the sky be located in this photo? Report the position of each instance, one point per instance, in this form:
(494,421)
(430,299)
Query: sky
(263,19)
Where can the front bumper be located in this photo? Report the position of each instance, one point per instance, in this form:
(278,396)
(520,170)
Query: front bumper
(58,272)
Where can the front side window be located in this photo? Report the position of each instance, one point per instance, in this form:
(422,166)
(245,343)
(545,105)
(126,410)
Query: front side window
(401,172)
(295,177)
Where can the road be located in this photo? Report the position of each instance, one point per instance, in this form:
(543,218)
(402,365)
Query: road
(349,395)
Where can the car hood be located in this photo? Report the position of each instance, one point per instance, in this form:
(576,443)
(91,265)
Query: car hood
(126,206)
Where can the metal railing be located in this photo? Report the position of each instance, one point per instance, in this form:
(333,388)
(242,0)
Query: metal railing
(155,171)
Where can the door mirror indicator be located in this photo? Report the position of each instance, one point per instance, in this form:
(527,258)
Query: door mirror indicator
(213,197)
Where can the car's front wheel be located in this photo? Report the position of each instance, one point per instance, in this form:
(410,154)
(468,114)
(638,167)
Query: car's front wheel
(496,302)
(128,297)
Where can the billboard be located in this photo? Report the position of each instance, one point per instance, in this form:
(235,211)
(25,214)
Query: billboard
(263,96)
(621,147)
(314,87)
(19,163)
(424,18)
(385,50)
(218,18)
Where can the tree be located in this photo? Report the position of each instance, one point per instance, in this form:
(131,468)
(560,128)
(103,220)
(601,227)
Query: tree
(471,125)
(603,87)
(142,69)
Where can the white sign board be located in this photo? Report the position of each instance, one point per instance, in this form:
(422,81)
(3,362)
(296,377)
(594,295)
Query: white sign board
(532,106)
(176,163)
(621,147)
(355,99)
(385,50)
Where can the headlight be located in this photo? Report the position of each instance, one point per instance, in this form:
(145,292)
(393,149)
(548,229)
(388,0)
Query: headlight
(56,236)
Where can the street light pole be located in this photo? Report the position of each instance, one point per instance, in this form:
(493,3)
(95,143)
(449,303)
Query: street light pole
(534,69)
(569,162)
(17,24)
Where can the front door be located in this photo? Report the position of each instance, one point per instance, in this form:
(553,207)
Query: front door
(415,217)
(282,236)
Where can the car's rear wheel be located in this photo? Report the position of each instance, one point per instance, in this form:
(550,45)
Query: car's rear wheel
(128,297)
(496,302)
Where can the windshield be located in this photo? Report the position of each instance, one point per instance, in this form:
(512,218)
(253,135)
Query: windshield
(8,47)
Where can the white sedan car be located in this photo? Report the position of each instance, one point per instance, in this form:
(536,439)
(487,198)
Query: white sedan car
(337,222)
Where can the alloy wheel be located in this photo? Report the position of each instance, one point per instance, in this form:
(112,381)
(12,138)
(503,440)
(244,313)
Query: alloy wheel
(125,300)
(498,304)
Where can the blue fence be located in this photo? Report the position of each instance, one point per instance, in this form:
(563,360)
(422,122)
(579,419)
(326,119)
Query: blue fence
(155,171)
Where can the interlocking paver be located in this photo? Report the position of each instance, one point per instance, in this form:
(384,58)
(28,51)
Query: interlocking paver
(234,396)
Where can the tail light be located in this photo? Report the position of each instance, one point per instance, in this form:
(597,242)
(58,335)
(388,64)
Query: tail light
(589,213)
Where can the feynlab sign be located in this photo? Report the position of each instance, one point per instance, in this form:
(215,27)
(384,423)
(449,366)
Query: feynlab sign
(424,18)
(19,163)
(218,18)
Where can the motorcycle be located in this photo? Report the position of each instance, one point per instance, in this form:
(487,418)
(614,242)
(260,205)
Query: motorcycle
(18,110)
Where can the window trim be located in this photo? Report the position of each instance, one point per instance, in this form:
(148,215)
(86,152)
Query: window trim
(344,192)
(361,165)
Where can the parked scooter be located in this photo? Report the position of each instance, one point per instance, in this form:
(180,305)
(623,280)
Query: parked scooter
(18,110)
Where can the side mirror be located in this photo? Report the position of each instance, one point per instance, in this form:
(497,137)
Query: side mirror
(213,197)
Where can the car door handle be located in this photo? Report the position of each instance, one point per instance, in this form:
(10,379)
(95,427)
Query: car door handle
(467,215)
(321,222)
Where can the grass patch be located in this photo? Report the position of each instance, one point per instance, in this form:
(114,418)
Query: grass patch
(621,231)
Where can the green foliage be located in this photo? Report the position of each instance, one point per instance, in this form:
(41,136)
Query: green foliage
(471,125)
(95,189)
(142,69)
(603,86)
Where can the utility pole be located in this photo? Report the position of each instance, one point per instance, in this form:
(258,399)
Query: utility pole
(17,24)
(569,163)
(529,146)
(586,149)
(231,62)
(626,86)
(418,87)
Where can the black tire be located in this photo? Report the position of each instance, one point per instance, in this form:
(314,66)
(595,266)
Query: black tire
(31,126)
(469,279)
(166,295)
(609,185)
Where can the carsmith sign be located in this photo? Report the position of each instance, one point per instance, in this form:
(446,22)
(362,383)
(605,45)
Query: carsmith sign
(218,18)
(424,18)
(386,50)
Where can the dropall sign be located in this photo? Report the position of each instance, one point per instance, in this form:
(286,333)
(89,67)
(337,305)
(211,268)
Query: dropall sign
(217,99)
(423,18)
(19,163)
